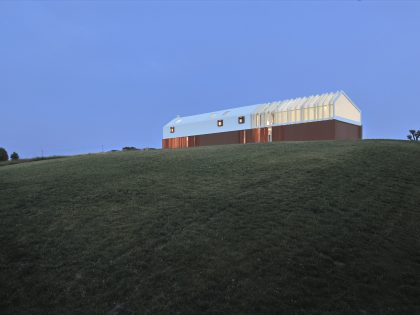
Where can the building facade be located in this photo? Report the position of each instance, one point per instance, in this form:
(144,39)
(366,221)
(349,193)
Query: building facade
(330,116)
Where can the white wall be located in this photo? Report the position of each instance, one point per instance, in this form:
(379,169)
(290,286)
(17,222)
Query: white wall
(346,111)
(230,123)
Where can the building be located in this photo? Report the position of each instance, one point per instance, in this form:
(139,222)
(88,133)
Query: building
(330,116)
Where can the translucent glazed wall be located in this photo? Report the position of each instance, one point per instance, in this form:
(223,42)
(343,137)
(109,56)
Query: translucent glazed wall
(346,110)
(292,116)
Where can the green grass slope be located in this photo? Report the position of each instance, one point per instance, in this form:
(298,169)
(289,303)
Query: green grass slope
(260,228)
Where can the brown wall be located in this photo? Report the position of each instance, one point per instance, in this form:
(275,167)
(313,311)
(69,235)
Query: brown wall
(320,130)
(346,131)
(229,137)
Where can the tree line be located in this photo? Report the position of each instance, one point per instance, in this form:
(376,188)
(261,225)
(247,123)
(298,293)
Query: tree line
(4,156)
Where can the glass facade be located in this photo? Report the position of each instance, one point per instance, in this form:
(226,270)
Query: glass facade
(292,116)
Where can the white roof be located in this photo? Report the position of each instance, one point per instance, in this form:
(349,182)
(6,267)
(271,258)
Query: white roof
(299,103)
(221,114)
(207,123)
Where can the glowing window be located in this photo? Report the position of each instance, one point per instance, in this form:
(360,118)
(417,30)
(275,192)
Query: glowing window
(305,113)
(311,113)
(325,114)
(241,119)
(284,117)
(298,115)
(172,129)
(220,123)
(292,116)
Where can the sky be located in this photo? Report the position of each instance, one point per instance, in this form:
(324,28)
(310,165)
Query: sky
(87,76)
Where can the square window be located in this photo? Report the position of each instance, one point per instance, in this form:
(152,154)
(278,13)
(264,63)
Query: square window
(172,129)
(220,123)
(241,119)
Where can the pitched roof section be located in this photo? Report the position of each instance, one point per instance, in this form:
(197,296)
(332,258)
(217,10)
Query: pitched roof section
(299,103)
(320,107)
(221,114)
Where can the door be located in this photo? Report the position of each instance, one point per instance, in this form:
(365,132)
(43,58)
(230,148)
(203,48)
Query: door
(270,134)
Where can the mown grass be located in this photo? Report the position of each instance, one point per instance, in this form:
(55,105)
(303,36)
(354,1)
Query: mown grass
(11,162)
(262,228)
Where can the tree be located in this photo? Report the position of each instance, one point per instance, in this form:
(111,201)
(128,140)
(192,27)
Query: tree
(14,156)
(414,135)
(129,148)
(3,155)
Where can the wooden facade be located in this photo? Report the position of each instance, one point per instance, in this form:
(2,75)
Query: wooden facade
(320,130)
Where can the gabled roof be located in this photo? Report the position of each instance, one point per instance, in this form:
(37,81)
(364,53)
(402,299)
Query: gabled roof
(279,106)
(221,114)
(299,103)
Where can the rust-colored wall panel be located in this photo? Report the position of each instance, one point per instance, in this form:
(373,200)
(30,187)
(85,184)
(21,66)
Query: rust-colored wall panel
(346,131)
(190,141)
(242,136)
(174,143)
(320,130)
(230,137)
(277,133)
(249,136)
(256,135)
(263,135)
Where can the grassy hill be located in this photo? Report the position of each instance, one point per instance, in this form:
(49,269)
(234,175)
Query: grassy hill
(259,228)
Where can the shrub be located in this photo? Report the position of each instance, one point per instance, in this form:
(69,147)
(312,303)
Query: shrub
(14,156)
(414,135)
(129,148)
(3,155)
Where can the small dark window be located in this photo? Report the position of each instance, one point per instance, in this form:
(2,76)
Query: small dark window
(241,119)
(172,129)
(220,123)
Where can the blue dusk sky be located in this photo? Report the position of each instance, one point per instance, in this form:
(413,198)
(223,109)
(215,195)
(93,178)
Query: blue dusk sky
(76,75)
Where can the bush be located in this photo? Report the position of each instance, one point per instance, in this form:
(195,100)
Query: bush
(14,156)
(3,155)
(414,135)
(129,148)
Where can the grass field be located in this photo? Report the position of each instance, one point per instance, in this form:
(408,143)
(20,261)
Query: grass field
(11,162)
(309,227)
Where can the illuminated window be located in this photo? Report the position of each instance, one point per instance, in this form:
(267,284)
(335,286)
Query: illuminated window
(292,116)
(220,123)
(298,115)
(325,114)
(241,119)
(284,117)
(311,114)
(305,113)
(172,129)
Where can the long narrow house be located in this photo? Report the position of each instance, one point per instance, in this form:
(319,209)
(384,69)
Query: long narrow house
(330,116)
